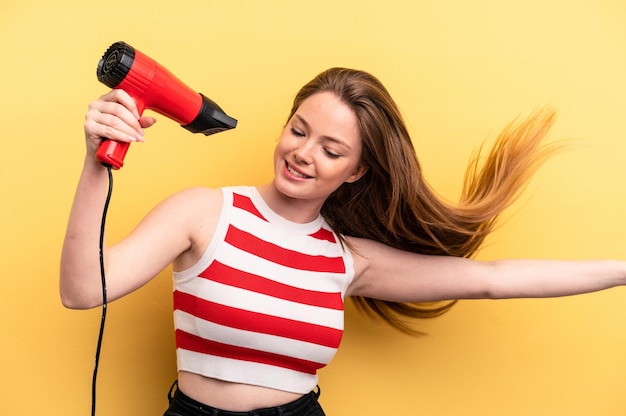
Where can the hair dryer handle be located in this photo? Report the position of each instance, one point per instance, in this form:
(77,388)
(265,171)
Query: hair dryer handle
(112,153)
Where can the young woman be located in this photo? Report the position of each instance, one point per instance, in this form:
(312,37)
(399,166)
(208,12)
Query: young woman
(261,273)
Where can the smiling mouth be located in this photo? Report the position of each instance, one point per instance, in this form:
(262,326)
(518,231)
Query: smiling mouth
(296,173)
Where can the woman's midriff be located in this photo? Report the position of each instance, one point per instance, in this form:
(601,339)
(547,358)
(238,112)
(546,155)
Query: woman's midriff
(235,397)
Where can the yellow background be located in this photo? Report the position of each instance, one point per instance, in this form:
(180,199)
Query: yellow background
(459,70)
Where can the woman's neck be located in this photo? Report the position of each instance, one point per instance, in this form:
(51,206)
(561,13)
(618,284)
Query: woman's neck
(292,209)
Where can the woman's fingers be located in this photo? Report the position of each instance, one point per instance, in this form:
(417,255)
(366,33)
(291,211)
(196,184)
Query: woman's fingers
(114,116)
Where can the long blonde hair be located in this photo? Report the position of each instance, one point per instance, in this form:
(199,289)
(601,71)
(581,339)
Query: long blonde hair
(393,204)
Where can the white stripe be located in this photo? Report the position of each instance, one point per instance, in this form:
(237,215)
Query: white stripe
(303,279)
(260,303)
(262,342)
(245,372)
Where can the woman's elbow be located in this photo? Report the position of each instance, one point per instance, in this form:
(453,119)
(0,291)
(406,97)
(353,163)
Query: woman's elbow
(73,300)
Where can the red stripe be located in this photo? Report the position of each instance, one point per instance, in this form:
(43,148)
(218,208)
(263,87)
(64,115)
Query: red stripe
(221,273)
(279,255)
(194,343)
(257,322)
(324,234)
(245,203)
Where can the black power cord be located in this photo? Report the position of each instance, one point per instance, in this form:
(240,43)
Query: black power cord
(104,292)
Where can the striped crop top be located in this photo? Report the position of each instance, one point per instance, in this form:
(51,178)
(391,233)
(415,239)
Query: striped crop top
(264,304)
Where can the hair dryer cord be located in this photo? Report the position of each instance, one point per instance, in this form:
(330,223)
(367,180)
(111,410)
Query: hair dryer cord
(104,292)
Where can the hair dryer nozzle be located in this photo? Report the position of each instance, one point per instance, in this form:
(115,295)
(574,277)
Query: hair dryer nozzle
(211,119)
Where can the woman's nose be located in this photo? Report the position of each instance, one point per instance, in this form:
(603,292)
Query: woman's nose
(304,152)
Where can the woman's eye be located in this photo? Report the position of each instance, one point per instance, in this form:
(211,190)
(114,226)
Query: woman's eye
(297,132)
(331,154)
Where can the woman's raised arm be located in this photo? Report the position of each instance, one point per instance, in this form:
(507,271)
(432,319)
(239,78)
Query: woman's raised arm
(162,236)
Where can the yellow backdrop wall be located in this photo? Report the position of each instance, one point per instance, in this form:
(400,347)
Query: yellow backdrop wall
(459,70)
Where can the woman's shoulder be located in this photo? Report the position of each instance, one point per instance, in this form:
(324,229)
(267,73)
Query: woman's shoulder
(199,194)
(194,202)
(198,210)
(205,194)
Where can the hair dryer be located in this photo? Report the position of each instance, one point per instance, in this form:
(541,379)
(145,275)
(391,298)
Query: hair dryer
(154,87)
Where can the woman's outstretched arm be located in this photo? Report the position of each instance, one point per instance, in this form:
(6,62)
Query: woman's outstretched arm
(389,274)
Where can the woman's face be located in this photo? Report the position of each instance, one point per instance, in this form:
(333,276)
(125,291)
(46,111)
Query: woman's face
(318,150)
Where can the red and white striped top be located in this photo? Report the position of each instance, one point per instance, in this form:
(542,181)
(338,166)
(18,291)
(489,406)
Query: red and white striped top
(264,304)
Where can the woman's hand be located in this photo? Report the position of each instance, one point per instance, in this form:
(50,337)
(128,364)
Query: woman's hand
(114,116)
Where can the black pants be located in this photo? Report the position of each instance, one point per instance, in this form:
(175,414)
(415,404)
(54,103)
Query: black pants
(182,405)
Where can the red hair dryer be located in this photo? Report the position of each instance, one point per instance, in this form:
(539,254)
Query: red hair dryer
(154,87)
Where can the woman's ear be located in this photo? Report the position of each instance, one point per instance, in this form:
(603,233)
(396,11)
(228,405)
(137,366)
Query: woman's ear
(357,174)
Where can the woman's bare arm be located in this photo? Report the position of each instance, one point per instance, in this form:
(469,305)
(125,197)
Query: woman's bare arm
(176,228)
(390,274)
